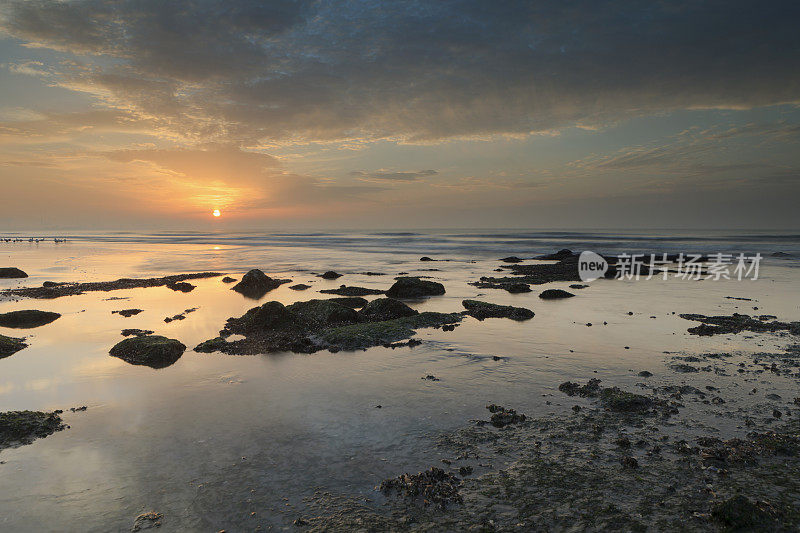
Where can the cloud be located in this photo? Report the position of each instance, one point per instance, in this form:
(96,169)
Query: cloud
(389,175)
(246,71)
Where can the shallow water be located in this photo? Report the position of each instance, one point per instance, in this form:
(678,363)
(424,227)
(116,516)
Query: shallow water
(214,438)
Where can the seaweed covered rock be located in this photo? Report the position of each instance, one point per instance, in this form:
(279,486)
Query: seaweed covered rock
(739,513)
(10,345)
(385,309)
(517,288)
(181,286)
(344,290)
(256,284)
(270,315)
(12,272)
(502,417)
(228,279)
(511,259)
(356,302)
(483,310)
(28,318)
(24,427)
(555,294)
(300,287)
(330,274)
(154,351)
(413,287)
(736,323)
(322,313)
(367,334)
(560,255)
(434,486)
(613,398)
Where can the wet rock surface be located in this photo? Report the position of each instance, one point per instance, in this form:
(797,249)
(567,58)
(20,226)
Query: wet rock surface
(344,290)
(484,310)
(136,332)
(555,294)
(413,287)
(256,284)
(11,273)
(355,302)
(502,417)
(23,427)
(330,274)
(431,487)
(300,287)
(27,318)
(181,286)
(228,279)
(72,289)
(736,323)
(11,345)
(385,309)
(154,351)
(127,312)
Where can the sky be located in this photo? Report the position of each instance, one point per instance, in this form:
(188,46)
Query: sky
(289,114)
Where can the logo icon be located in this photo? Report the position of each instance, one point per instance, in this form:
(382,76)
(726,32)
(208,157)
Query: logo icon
(591,266)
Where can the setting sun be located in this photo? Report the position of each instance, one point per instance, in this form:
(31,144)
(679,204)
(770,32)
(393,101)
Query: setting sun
(217,213)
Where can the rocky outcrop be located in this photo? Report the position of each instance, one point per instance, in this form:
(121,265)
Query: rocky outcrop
(28,318)
(413,287)
(154,351)
(10,345)
(256,284)
(555,294)
(12,272)
(385,309)
(483,310)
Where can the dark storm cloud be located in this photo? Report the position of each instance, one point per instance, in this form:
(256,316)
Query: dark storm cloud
(244,71)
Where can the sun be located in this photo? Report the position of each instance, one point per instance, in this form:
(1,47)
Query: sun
(217,213)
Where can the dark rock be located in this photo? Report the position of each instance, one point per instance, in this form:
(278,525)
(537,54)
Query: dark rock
(558,256)
(271,315)
(354,302)
(618,400)
(426,258)
(147,520)
(502,417)
(136,332)
(385,309)
(517,288)
(511,259)
(553,294)
(24,427)
(483,310)
(434,486)
(330,274)
(154,351)
(10,345)
(300,287)
(741,514)
(181,286)
(578,286)
(217,344)
(322,313)
(344,290)
(28,318)
(780,254)
(127,312)
(414,287)
(645,374)
(12,272)
(256,284)
(465,471)
(228,279)
(629,462)
(431,377)
(72,289)
(736,323)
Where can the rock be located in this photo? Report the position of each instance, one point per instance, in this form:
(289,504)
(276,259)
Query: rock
(434,486)
(736,323)
(136,332)
(426,258)
(511,259)
(430,377)
(483,310)
(268,316)
(10,345)
(517,288)
(12,272)
(28,318)
(147,521)
(780,254)
(645,374)
(256,284)
(217,344)
(554,294)
(323,313)
(629,462)
(127,312)
(618,400)
(578,286)
(740,513)
(465,471)
(24,427)
(330,274)
(228,279)
(558,256)
(344,290)
(502,417)
(385,309)
(355,302)
(413,287)
(300,287)
(154,351)
(181,286)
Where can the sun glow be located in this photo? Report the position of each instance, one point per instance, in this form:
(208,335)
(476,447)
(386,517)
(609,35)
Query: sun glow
(217,213)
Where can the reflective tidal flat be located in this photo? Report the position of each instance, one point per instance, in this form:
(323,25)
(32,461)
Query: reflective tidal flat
(705,424)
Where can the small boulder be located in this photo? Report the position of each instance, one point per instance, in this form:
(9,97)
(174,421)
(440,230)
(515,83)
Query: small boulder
(511,259)
(330,274)
(181,286)
(269,316)
(228,279)
(412,287)
(154,351)
(127,312)
(426,258)
(12,272)
(256,284)
(483,310)
(323,313)
(385,309)
(555,294)
(344,290)
(355,302)
(299,287)
(739,513)
(10,345)
(24,427)
(517,288)
(28,318)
